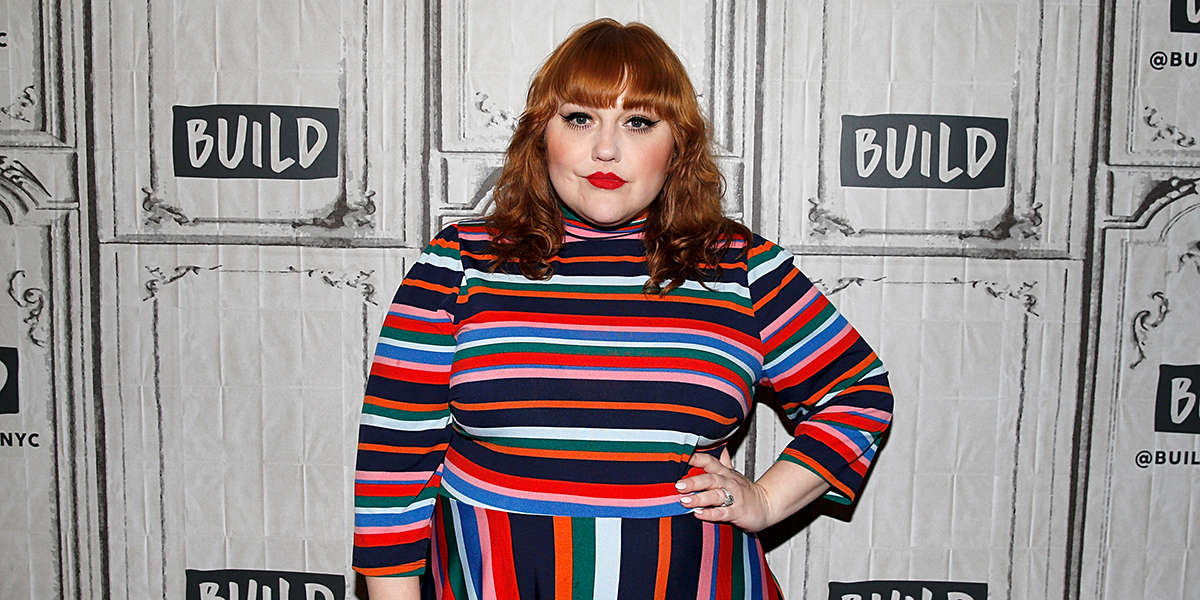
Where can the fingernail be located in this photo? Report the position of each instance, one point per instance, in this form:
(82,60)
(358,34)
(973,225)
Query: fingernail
(698,511)
(686,499)
(679,485)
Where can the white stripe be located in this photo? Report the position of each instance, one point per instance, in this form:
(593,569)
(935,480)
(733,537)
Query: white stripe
(748,370)
(407,345)
(438,260)
(604,281)
(392,510)
(608,558)
(802,343)
(748,575)
(769,265)
(583,434)
(402,425)
(462,554)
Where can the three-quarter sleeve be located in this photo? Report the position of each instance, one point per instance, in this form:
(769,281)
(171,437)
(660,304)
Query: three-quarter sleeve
(405,424)
(831,385)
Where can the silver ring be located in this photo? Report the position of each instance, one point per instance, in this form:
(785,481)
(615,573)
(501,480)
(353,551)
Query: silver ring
(728,499)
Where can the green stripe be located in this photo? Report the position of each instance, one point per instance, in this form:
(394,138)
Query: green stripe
(478,285)
(502,347)
(454,566)
(585,445)
(405,335)
(819,320)
(403,414)
(583,552)
(394,501)
(738,574)
(453,253)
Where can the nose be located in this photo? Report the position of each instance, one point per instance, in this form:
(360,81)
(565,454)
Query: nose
(607,148)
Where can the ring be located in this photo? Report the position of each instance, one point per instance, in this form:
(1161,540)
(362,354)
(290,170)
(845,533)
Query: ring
(728,499)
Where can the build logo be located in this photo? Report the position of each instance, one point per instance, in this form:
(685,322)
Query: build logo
(923,151)
(1185,16)
(9,400)
(234,584)
(248,141)
(1175,406)
(907,590)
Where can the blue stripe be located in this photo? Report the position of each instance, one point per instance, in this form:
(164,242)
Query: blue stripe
(470,494)
(468,526)
(407,517)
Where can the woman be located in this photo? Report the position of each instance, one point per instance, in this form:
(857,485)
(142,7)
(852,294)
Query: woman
(547,412)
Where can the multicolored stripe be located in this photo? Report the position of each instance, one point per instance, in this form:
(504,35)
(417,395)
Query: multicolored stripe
(484,554)
(581,397)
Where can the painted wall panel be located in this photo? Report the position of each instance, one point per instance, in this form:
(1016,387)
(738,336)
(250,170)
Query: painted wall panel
(969,483)
(238,374)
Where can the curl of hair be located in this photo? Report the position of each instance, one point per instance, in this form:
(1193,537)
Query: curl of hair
(686,234)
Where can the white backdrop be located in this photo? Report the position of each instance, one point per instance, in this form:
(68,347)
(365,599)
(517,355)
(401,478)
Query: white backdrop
(188,353)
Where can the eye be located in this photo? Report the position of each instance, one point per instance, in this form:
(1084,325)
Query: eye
(640,123)
(577,119)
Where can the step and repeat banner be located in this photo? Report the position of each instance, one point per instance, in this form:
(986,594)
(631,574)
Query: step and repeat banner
(206,206)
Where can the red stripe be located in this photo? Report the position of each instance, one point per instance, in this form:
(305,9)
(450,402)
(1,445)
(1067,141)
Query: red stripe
(375,540)
(725,563)
(441,376)
(643,324)
(554,486)
(504,572)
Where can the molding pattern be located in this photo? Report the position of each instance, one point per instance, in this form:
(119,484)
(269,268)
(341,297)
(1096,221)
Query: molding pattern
(158,210)
(843,283)
(1163,193)
(1023,293)
(33,300)
(1166,131)
(1192,256)
(824,219)
(23,188)
(496,117)
(1141,325)
(25,102)
(159,279)
(1007,225)
(357,281)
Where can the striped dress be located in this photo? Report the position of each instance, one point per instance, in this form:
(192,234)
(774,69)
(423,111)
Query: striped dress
(522,438)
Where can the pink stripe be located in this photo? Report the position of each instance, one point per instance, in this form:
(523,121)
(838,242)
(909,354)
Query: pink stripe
(405,310)
(873,413)
(819,353)
(414,366)
(827,432)
(485,547)
(390,529)
(547,497)
(791,313)
(409,477)
(708,555)
(608,329)
(475,375)
(764,571)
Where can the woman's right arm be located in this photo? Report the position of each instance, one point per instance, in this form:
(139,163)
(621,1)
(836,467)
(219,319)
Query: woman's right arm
(393,588)
(405,429)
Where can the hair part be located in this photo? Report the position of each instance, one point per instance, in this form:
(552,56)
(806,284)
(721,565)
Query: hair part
(686,232)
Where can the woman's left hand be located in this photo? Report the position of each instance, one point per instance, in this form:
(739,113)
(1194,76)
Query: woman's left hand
(709,492)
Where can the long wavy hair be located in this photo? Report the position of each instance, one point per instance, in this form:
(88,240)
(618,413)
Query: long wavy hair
(686,233)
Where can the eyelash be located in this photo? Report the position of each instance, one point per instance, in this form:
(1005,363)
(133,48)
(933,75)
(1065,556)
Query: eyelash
(645,123)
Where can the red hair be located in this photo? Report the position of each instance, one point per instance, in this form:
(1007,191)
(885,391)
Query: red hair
(685,230)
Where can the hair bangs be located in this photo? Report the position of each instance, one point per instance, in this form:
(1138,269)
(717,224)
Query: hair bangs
(624,64)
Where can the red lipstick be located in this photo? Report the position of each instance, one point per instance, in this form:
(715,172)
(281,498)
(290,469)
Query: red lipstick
(607,181)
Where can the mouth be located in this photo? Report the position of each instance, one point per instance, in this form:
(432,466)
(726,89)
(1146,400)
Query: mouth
(606,181)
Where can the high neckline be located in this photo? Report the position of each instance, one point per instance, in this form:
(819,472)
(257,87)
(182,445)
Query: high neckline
(578,228)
